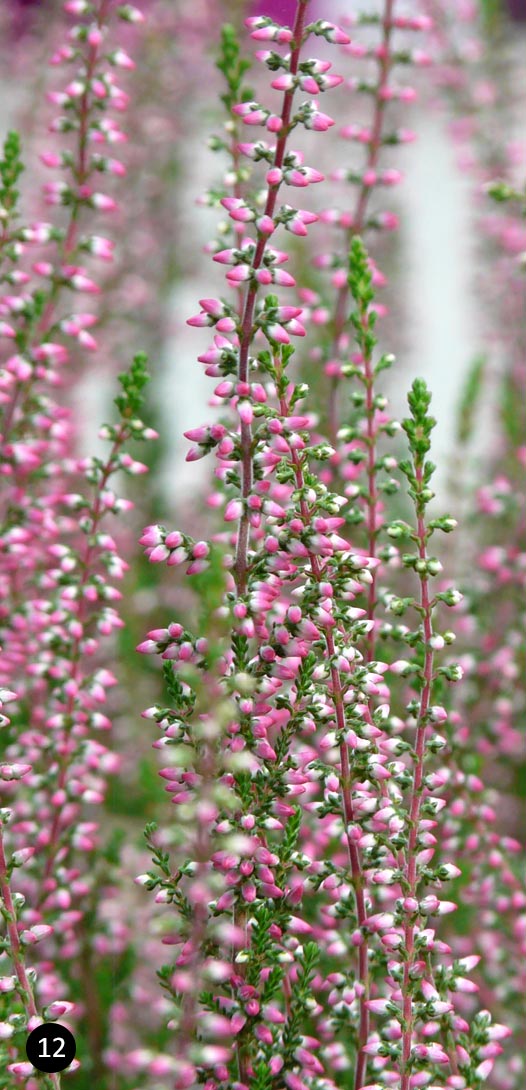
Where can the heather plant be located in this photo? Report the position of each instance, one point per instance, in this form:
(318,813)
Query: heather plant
(297,704)
(335,885)
(58,563)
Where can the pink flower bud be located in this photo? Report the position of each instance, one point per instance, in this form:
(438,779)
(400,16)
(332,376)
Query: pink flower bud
(233,510)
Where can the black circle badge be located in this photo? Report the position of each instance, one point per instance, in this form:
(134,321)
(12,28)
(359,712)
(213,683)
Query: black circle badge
(51,1047)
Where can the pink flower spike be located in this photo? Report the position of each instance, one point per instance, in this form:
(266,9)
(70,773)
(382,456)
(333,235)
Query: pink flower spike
(238,274)
(233,511)
(83,283)
(121,59)
(245,412)
(296,226)
(274,176)
(212,306)
(282,35)
(334,33)
(158,554)
(277,333)
(283,278)
(102,202)
(284,82)
(320,122)
(225,257)
(265,225)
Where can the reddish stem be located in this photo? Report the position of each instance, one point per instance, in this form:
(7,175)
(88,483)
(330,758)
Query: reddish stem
(240,565)
(81,173)
(346,789)
(373,152)
(96,516)
(416,794)
(16,950)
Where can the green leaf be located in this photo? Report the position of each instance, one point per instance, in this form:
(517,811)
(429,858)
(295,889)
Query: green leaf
(11,168)
(130,402)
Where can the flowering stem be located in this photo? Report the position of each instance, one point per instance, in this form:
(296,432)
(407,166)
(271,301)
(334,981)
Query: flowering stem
(25,989)
(86,561)
(418,770)
(345,780)
(240,566)
(80,171)
(241,558)
(373,152)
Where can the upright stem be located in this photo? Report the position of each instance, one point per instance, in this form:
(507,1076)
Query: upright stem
(372,491)
(364,193)
(241,557)
(67,248)
(80,170)
(240,564)
(416,796)
(346,790)
(97,514)
(16,952)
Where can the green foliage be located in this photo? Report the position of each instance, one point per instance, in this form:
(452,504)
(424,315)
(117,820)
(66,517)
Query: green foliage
(131,401)
(360,282)
(262,948)
(262,1079)
(11,168)
(418,428)
(160,858)
(300,1002)
(291,837)
(360,278)
(233,68)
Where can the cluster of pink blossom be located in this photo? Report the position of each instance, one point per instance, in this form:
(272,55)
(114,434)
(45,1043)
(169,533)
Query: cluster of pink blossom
(315,818)
(58,562)
(335,871)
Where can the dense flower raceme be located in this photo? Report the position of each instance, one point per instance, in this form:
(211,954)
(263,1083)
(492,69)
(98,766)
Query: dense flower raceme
(307,770)
(53,763)
(383,49)
(58,563)
(329,781)
(34,306)
(382,42)
(150,228)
